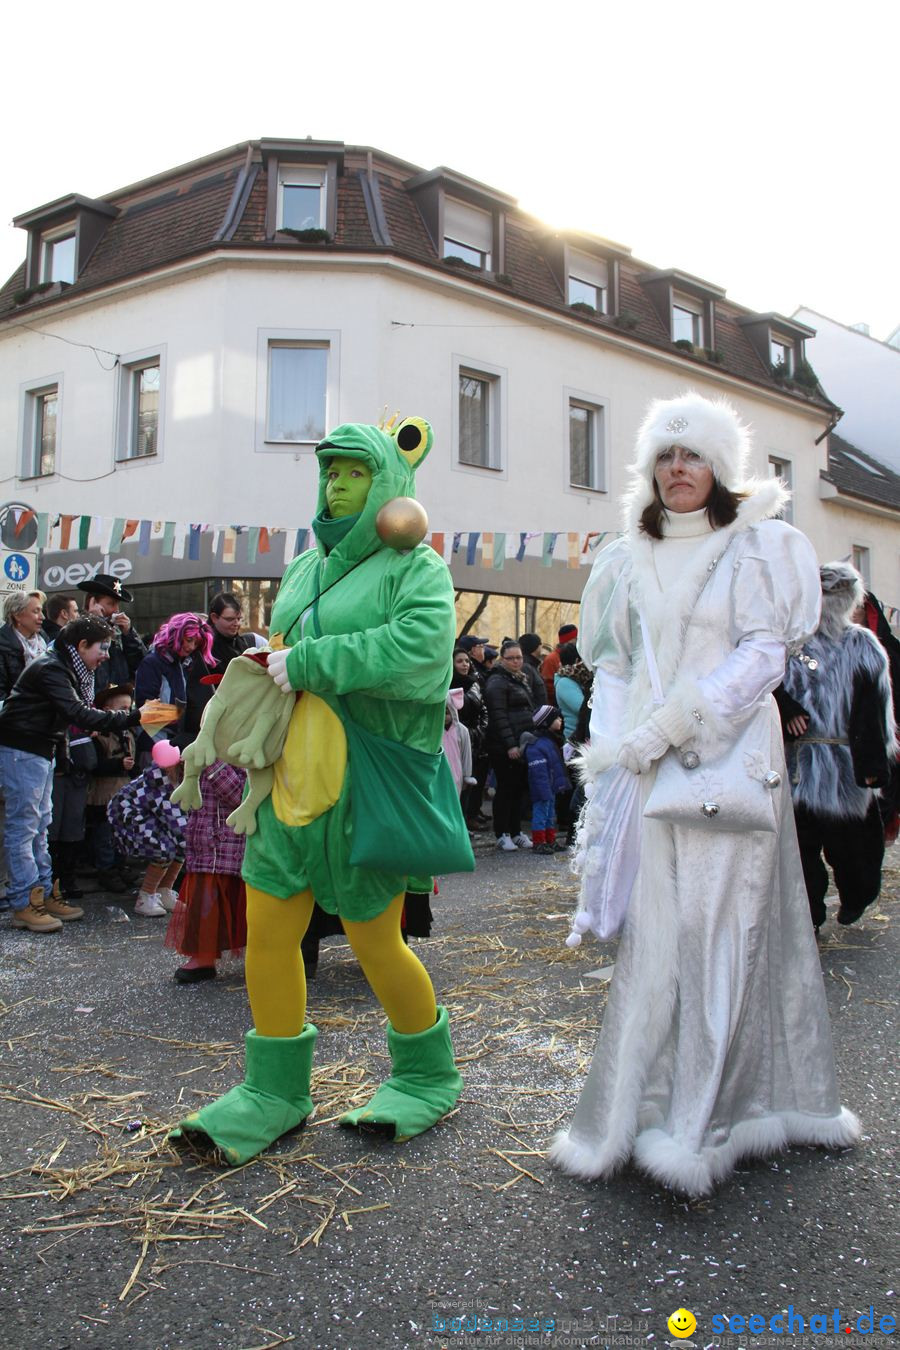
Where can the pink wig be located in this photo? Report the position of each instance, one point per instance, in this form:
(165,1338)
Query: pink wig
(171,634)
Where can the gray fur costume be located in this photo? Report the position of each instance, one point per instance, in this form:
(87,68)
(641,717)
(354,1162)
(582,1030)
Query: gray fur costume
(847,698)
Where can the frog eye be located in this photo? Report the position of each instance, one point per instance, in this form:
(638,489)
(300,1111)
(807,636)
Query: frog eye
(413,437)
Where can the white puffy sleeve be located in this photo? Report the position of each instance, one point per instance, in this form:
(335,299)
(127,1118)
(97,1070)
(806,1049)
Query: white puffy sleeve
(605,644)
(775,602)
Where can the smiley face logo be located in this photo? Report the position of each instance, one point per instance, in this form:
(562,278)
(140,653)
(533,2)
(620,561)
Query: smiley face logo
(682,1323)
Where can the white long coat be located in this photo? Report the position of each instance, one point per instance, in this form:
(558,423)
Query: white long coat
(715,1043)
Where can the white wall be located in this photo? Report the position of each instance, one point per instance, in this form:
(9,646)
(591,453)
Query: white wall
(862,376)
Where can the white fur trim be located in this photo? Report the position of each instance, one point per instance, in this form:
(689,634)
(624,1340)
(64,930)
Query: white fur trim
(709,427)
(686,699)
(696,1174)
(595,758)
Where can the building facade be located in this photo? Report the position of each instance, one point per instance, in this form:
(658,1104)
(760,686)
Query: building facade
(170,355)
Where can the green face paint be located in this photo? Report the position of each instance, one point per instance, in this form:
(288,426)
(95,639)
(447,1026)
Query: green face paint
(348,483)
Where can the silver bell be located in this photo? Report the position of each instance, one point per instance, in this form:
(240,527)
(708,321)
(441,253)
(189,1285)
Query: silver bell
(710,809)
(772,779)
(690,759)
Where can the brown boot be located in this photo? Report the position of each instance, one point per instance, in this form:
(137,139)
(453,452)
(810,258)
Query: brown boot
(56,904)
(34,916)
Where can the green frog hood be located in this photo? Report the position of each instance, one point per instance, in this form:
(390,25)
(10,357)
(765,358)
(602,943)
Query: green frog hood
(392,457)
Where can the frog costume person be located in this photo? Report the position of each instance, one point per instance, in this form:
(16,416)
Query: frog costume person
(362,633)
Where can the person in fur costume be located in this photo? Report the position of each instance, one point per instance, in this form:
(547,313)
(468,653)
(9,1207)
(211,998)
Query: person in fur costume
(715,1043)
(839,721)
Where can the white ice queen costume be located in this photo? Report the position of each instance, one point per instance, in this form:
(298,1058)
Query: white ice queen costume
(715,1043)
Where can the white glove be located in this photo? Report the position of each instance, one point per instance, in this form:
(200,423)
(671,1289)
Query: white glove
(642,746)
(277,668)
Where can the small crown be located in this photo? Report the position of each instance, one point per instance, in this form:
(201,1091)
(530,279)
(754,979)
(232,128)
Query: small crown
(388,423)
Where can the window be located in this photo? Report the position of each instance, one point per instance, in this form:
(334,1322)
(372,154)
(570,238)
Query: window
(58,256)
(297,387)
(586,459)
(588,281)
(301,198)
(687,320)
(478,418)
(41,422)
(139,408)
(782,355)
(468,233)
(862,561)
(782,468)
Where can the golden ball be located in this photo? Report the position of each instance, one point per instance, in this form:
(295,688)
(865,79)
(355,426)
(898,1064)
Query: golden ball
(402,523)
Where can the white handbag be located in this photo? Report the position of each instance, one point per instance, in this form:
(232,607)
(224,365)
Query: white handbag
(736,790)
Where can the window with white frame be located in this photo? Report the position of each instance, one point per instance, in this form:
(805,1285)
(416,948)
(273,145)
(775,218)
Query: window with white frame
(140,407)
(862,561)
(587,466)
(479,419)
(588,281)
(687,319)
(297,391)
(58,255)
(301,198)
(40,426)
(783,469)
(782,355)
(468,233)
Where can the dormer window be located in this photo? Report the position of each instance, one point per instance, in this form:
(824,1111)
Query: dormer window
(782,354)
(301,198)
(468,233)
(58,255)
(587,282)
(687,319)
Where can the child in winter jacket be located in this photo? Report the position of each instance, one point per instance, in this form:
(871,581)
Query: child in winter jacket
(114,770)
(546,776)
(456,742)
(211,914)
(146,824)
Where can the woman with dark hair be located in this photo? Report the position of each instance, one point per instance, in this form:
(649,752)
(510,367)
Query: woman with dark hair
(570,684)
(715,1043)
(510,710)
(474,716)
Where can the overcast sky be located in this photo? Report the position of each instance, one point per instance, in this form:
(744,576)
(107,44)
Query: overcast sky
(753,145)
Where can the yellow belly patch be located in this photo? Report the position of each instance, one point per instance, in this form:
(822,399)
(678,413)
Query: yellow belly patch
(310,773)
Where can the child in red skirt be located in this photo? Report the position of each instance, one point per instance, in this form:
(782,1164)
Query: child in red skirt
(211,914)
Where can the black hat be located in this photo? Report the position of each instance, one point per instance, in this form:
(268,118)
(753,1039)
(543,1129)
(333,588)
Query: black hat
(104,584)
(468,641)
(529,642)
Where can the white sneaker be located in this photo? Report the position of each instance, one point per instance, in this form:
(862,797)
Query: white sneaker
(504,842)
(167,898)
(150,906)
(522,841)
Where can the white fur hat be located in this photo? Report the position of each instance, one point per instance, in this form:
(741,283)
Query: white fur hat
(713,430)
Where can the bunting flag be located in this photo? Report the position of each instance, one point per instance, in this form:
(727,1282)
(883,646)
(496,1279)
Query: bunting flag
(25,517)
(84,531)
(194,543)
(65,531)
(457,537)
(437,543)
(471,547)
(43,533)
(264,544)
(252,544)
(116,531)
(547,549)
(229,546)
(300,539)
(574,549)
(131,527)
(168,539)
(487,549)
(144,539)
(499,552)
(180,539)
(523,544)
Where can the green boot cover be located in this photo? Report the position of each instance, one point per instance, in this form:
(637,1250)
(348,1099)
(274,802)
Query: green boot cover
(273,1098)
(423,1086)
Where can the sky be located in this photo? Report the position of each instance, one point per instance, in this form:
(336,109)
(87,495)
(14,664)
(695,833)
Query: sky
(754,146)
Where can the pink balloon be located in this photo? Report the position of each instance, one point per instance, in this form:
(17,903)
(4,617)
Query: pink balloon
(165,754)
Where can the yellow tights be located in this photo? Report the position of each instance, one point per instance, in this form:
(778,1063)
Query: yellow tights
(276,983)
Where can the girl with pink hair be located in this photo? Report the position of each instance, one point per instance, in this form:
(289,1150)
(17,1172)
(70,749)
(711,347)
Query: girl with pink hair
(181,648)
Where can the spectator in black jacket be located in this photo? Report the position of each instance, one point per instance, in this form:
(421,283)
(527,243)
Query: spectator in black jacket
(21,639)
(533,653)
(510,710)
(228,642)
(105,596)
(58,611)
(54,692)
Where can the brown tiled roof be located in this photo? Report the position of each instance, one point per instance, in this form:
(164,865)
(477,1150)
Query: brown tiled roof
(857,474)
(187,212)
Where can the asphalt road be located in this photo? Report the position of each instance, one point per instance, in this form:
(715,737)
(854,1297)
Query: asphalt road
(110,1239)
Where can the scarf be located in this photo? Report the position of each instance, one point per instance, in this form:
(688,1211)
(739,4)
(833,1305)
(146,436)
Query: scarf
(84,676)
(331,531)
(34,646)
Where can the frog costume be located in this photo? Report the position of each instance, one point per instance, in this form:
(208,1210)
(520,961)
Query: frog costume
(369,632)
